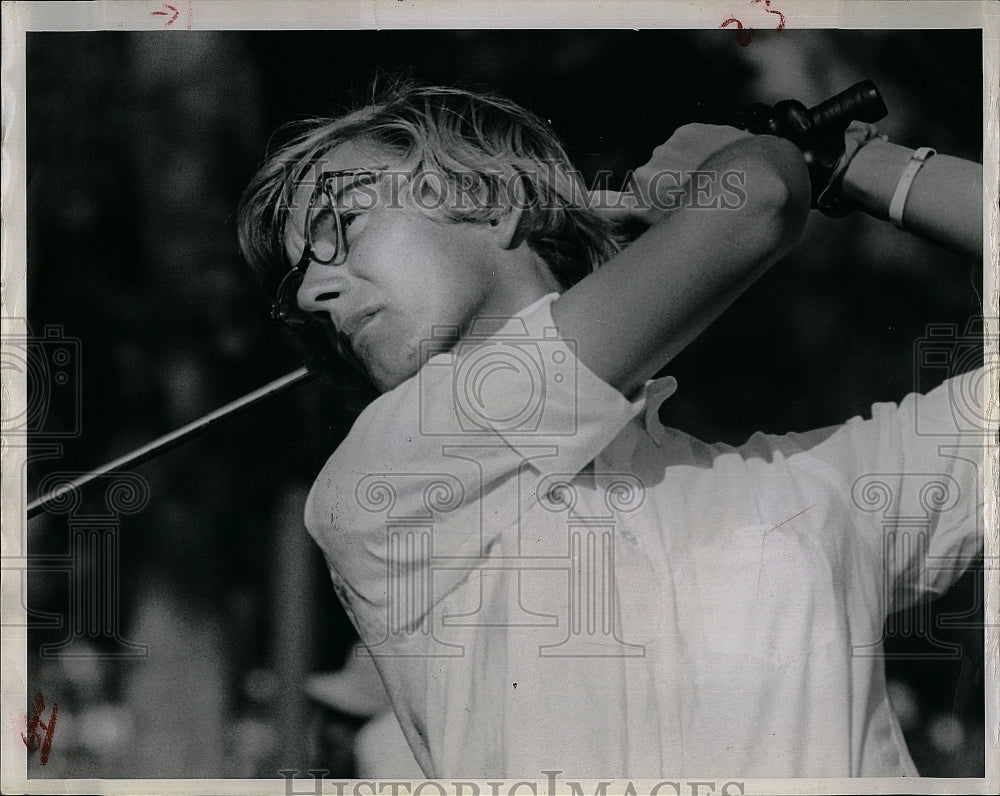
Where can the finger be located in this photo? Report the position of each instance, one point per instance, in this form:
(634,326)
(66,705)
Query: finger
(762,119)
(794,114)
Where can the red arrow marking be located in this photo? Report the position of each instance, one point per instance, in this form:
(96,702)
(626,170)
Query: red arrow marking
(172,19)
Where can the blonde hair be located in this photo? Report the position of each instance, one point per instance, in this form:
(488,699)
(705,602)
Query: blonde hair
(485,153)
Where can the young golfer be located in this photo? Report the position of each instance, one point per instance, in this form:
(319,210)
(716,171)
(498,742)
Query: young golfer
(546,577)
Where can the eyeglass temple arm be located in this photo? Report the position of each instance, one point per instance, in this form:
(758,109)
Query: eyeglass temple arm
(177,437)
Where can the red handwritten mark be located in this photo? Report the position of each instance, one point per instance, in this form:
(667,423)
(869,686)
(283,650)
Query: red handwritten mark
(744,35)
(171,10)
(767,7)
(33,740)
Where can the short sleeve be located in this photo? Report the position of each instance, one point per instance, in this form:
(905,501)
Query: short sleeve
(510,394)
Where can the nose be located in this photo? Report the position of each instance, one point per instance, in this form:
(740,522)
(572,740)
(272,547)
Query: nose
(321,287)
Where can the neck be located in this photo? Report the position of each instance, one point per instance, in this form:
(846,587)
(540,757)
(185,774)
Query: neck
(520,281)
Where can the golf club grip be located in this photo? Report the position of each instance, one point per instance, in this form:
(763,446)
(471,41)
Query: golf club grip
(861,102)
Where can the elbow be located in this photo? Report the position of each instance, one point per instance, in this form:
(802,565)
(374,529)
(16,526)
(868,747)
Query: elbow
(778,194)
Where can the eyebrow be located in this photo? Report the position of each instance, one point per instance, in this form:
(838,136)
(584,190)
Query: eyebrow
(354,183)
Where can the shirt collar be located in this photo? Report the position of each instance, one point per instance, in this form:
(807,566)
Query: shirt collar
(657,391)
(618,454)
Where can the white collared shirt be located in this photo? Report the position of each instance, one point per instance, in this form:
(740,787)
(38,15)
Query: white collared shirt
(549,579)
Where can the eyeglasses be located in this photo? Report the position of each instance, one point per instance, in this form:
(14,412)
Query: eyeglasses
(324,235)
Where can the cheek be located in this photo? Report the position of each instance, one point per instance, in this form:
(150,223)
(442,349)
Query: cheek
(423,291)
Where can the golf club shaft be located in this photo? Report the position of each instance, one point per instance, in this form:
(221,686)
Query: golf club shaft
(177,437)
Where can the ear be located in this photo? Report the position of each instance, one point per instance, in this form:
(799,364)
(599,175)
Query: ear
(507,228)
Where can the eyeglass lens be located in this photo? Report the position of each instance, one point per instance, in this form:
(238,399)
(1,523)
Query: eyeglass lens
(323,230)
(324,237)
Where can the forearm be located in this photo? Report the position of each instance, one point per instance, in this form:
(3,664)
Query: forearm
(944,204)
(640,309)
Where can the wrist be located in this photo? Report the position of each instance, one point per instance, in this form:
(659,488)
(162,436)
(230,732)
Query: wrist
(872,177)
(831,199)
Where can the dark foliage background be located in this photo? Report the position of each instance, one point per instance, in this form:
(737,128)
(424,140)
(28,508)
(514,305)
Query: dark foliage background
(138,147)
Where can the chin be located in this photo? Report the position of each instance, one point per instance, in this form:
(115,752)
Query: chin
(386,379)
(389,363)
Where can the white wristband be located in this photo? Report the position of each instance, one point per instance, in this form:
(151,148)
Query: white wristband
(898,203)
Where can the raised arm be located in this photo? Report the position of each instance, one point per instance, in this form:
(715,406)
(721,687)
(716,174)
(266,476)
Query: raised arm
(945,200)
(629,318)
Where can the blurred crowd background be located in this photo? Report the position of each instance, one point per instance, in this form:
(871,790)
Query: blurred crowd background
(138,147)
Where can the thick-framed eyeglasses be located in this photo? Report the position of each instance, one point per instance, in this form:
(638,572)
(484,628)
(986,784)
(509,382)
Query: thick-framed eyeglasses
(325,238)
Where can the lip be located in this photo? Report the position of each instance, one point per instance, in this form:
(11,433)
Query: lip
(355,323)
